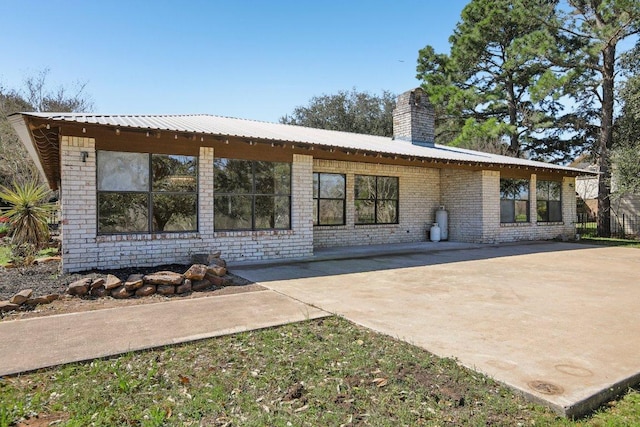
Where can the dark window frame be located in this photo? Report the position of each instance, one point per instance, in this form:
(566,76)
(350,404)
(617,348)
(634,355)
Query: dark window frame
(547,201)
(317,200)
(253,194)
(149,193)
(377,199)
(514,199)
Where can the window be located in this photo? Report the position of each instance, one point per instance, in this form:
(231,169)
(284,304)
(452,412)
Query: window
(328,199)
(549,201)
(514,200)
(140,192)
(376,199)
(251,195)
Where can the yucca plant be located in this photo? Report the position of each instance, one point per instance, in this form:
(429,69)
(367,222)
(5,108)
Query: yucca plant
(28,212)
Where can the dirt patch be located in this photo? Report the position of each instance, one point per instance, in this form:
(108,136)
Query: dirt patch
(47,279)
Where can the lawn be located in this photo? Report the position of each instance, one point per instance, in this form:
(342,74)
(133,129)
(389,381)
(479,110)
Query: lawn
(608,241)
(323,372)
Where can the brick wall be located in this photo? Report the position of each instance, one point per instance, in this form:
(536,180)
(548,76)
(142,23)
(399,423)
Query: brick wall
(419,198)
(83,249)
(462,196)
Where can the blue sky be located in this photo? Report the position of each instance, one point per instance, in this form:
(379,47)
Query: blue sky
(249,59)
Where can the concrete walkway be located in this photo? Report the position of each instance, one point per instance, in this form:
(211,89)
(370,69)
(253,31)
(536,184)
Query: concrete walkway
(53,340)
(558,322)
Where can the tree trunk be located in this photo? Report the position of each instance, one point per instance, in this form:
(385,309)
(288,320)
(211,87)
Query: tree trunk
(514,140)
(606,139)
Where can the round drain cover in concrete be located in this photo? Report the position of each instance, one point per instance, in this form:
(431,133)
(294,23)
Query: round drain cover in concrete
(545,387)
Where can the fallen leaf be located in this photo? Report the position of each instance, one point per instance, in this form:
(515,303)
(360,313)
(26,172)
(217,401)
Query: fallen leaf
(380,382)
(184,380)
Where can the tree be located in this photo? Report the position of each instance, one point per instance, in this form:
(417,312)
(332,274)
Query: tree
(626,149)
(34,96)
(491,87)
(595,29)
(353,111)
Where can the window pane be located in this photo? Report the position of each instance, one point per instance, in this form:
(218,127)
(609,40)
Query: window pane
(365,212)
(174,173)
(331,212)
(542,190)
(232,212)
(264,176)
(543,211)
(175,212)
(555,211)
(387,212)
(555,190)
(387,187)
(523,190)
(283,212)
(118,171)
(232,176)
(123,213)
(332,186)
(522,211)
(282,178)
(365,187)
(507,211)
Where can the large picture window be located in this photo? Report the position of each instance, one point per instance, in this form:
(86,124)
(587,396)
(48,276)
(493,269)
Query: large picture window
(328,199)
(141,193)
(514,200)
(549,201)
(376,199)
(251,195)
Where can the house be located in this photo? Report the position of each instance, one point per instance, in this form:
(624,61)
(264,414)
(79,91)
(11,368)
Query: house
(146,190)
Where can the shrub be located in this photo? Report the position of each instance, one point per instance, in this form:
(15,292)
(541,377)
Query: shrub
(28,212)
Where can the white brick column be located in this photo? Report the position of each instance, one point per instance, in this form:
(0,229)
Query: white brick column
(205,192)
(302,201)
(78,203)
(533,199)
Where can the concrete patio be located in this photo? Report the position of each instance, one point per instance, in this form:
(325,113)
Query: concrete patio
(555,321)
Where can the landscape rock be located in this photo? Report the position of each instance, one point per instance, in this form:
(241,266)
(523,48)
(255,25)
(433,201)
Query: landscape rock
(219,262)
(134,281)
(166,289)
(21,297)
(52,297)
(46,259)
(97,283)
(216,280)
(79,287)
(146,290)
(200,285)
(216,270)
(112,282)
(99,291)
(184,288)
(120,293)
(196,272)
(37,301)
(8,306)
(200,259)
(164,278)
(213,255)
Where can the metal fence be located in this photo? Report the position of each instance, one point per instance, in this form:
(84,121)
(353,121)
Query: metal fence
(622,226)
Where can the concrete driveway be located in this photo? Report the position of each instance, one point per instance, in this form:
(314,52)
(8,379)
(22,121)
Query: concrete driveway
(559,322)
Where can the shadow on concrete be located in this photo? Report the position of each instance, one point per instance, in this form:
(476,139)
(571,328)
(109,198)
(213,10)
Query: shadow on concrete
(360,259)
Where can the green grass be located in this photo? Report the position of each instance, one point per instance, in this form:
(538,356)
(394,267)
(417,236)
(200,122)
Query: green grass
(609,241)
(5,253)
(322,372)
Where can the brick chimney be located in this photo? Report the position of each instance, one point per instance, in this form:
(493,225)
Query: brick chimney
(414,118)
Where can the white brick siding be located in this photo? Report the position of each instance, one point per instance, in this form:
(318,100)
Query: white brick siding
(83,249)
(419,198)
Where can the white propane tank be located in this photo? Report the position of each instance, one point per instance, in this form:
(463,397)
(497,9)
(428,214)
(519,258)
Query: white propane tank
(435,232)
(442,218)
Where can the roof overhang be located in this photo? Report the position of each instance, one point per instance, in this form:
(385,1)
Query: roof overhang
(40,133)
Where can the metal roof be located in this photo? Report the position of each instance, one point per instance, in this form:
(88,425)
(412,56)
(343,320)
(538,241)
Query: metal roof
(227,126)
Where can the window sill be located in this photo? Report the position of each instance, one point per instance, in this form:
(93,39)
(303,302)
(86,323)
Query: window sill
(253,233)
(146,236)
(555,223)
(515,224)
